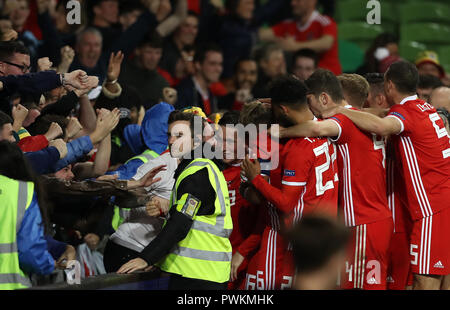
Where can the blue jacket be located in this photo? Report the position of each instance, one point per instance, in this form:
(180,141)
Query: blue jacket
(152,134)
(47,160)
(43,161)
(76,150)
(31,244)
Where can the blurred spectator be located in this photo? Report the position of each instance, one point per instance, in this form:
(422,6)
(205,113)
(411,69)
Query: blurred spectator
(376,98)
(427,62)
(18,12)
(238,30)
(141,72)
(184,36)
(383,46)
(426,85)
(355,89)
(105,18)
(6,128)
(244,79)
(309,29)
(129,12)
(195,90)
(272,64)
(440,98)
(304,63)
(318,246)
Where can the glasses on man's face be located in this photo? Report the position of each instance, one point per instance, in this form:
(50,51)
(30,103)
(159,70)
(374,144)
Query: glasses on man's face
(25,69)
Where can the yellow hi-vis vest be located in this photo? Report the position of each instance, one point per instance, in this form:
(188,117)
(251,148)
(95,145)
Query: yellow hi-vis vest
(145,156)
(15,198)
(205,253)
(121,214)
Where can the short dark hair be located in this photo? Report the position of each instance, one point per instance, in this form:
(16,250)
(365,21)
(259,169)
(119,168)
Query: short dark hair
(404,75)
(203,49)
(429,81)
(288,90)
(229,118)
(307,53)
(9,48)
(376,82)
(256,113)
(5,119)
(325,81)
(153,40)
(129,6)
(315,239)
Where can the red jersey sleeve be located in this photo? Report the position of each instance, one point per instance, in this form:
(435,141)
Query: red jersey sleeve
(331,28)
(33,143)
(280,29)
(346,127)
(294,177)
(297,164)
(400,113)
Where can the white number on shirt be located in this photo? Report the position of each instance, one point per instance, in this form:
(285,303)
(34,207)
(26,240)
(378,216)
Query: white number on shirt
(441,132)
(232,194)
(379,145)
(320,188)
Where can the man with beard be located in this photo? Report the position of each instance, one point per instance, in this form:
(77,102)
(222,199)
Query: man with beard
(245,77)
(307,184)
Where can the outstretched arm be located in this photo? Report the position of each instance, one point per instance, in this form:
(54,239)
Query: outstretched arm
(326,128)
(368,122)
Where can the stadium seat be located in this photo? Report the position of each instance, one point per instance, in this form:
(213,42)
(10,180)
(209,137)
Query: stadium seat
(360,33)
(431,34)
(409,49)
(424,12)
(444,57)
(351,56)
(356,10)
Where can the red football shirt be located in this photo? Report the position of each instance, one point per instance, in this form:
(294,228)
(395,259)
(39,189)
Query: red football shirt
(309,179)
(362,174)
(317,26)
(423,154)
(243,213)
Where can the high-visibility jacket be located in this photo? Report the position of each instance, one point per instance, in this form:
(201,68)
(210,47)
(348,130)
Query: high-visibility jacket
(121,214)
(15,198)
(205,253)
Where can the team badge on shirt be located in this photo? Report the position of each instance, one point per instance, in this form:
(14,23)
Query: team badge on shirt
(289,173)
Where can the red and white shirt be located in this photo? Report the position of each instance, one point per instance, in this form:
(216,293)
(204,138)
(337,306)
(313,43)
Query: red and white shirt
(423,153)
(362,174)
(309,179)
(243,213)
(317,26)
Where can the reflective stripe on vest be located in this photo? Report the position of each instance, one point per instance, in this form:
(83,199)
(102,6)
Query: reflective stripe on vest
(145,156)
(200,254)
(11,276)
(218,229)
